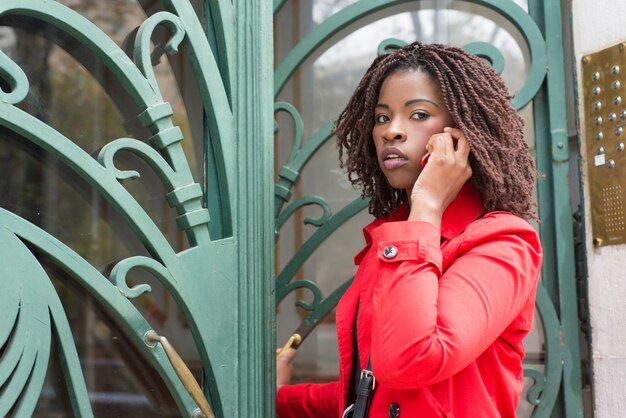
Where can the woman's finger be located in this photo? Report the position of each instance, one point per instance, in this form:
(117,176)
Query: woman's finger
(449,141)
(287,355)
(462,144)
(438,144)
(463,148)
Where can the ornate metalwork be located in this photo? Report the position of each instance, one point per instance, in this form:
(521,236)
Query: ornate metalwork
(37,293)
(545,387)
(203,279)
(314,41)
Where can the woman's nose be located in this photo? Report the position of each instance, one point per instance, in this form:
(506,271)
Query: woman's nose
(395,132)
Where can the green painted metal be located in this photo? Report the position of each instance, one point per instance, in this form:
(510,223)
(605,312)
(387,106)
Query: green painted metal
(481,49)
(543,393)
(223,278)
(314,41)
(278,4)
(17,232)
(566,275)
(256,309)
(284,284)
(556,299)
(488,52)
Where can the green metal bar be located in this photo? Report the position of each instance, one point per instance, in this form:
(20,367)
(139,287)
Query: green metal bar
(70,363)
(255,353)
(545,196)
(555,84)
(583,259)
(220,28)
(220,176)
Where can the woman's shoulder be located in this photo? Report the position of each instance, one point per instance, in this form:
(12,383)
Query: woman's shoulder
(498,223)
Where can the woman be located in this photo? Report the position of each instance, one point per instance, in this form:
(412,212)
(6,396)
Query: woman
(445,290)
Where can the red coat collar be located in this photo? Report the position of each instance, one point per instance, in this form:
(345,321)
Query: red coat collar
(458,215)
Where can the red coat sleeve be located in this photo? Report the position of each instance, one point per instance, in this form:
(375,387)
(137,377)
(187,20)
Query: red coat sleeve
(308,400)
(427,326)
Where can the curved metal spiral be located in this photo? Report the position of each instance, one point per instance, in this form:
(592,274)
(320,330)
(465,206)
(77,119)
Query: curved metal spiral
(306,201)
(545,389)
(15,78)
(143,56)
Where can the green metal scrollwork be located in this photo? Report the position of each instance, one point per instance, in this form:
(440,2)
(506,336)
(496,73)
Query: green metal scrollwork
(143,58)
(488,52)
(283,287)
(121,269)
(545,388)
(314,41)
(306,201)
(15,232)
(200,278)
(288,176)
(539,383)
(389,45)
(16,79)
(26,332)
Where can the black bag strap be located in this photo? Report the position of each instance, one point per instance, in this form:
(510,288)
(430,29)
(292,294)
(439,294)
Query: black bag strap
(364,391)
(363,380)
(356,361)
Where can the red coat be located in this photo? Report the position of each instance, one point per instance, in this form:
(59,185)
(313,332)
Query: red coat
(443,319)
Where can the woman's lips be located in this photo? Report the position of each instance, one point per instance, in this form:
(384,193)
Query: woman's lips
(392,163)
(392,158)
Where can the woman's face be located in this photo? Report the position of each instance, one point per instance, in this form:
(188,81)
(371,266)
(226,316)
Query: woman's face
(410,109)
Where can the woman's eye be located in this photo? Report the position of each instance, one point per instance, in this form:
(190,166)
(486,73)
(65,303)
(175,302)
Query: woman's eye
(419,115)
(381,118)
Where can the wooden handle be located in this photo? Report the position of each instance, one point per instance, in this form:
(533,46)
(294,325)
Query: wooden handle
(184,374)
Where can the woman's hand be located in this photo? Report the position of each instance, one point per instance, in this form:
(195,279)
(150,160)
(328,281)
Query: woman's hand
(284,368)
(442,178)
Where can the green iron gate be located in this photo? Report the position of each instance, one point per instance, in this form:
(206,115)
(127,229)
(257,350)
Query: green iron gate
(200,241)
(553,384)
(81,117)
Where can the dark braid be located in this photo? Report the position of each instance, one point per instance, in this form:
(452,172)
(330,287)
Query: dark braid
(479,103)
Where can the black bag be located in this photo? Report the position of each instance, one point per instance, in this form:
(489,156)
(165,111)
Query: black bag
(365,385)
(363,390)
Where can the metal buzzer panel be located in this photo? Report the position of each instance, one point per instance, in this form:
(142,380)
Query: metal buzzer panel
(604,99)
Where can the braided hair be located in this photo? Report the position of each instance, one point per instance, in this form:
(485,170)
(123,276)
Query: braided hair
(479,103)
